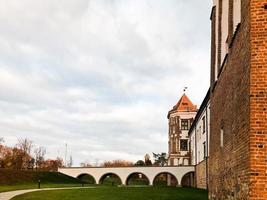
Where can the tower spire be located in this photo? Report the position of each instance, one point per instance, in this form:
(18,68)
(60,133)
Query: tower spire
(185,88)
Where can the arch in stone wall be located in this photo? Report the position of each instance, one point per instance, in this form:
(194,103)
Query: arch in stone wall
(141,179)
(188,179)
(165,179)
(110,178)
(87,178)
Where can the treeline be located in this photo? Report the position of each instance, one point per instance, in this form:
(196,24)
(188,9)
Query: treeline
(160,159)
(25,156)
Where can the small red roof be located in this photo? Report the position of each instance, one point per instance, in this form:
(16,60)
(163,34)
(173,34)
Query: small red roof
(183,105)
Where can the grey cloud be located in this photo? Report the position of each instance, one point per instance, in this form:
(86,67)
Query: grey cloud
(98,74)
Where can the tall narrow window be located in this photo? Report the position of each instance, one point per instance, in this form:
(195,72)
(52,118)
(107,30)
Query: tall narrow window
(204,124)
(236,13)
(204,150)
(221,137)
(183,145)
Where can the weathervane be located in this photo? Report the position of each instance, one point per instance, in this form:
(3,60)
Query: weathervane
(185,88)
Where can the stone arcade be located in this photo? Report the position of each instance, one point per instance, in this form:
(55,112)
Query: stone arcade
(98,173)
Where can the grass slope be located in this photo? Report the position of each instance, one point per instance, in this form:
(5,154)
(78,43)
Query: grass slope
(119,193)
(19,179)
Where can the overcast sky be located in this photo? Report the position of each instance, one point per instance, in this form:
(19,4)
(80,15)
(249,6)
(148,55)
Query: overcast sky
(99,75)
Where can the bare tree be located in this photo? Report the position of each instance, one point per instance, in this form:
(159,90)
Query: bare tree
(24,146)
(2,140)
(39,153)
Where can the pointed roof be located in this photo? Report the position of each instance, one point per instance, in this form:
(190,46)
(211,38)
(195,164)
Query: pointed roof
(183,105)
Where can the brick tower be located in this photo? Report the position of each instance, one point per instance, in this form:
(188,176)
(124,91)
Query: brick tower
(180,119)
(238,108)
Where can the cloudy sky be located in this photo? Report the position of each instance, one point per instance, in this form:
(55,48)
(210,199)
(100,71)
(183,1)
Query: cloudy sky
(99,75)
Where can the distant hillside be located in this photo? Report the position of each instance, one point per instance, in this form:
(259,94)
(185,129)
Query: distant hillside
(14,177)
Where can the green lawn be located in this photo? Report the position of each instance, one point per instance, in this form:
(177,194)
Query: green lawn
(6,188)
(19,179)
(119,193)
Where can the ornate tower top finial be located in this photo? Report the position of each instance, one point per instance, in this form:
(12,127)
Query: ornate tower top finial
(185,88)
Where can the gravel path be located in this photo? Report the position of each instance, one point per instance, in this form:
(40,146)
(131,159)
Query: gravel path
(11,194)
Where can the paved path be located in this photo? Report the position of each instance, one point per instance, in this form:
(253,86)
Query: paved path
(11,194)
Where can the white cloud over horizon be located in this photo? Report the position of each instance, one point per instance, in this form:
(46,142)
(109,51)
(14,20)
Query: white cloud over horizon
(99,75)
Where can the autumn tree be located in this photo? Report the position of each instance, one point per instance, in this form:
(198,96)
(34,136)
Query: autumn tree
(1,150)
(5,156)
(117,163)
(52,165)
(23,151)
(19,157)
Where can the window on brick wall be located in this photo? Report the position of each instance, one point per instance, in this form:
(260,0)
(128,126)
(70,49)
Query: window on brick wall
(221,137)
(184,124)
(204,150)
(236,13)
(184,145)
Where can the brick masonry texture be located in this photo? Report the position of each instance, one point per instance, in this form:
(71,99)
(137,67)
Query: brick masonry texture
(229,165)
(258,101)
(238,170)
(201,175)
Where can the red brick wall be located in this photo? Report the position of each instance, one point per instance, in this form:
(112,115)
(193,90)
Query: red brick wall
(258,101)
(238,170)
(229,165)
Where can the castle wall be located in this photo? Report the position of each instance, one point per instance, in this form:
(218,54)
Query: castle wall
(201,175)
(230,116)
(258,100)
